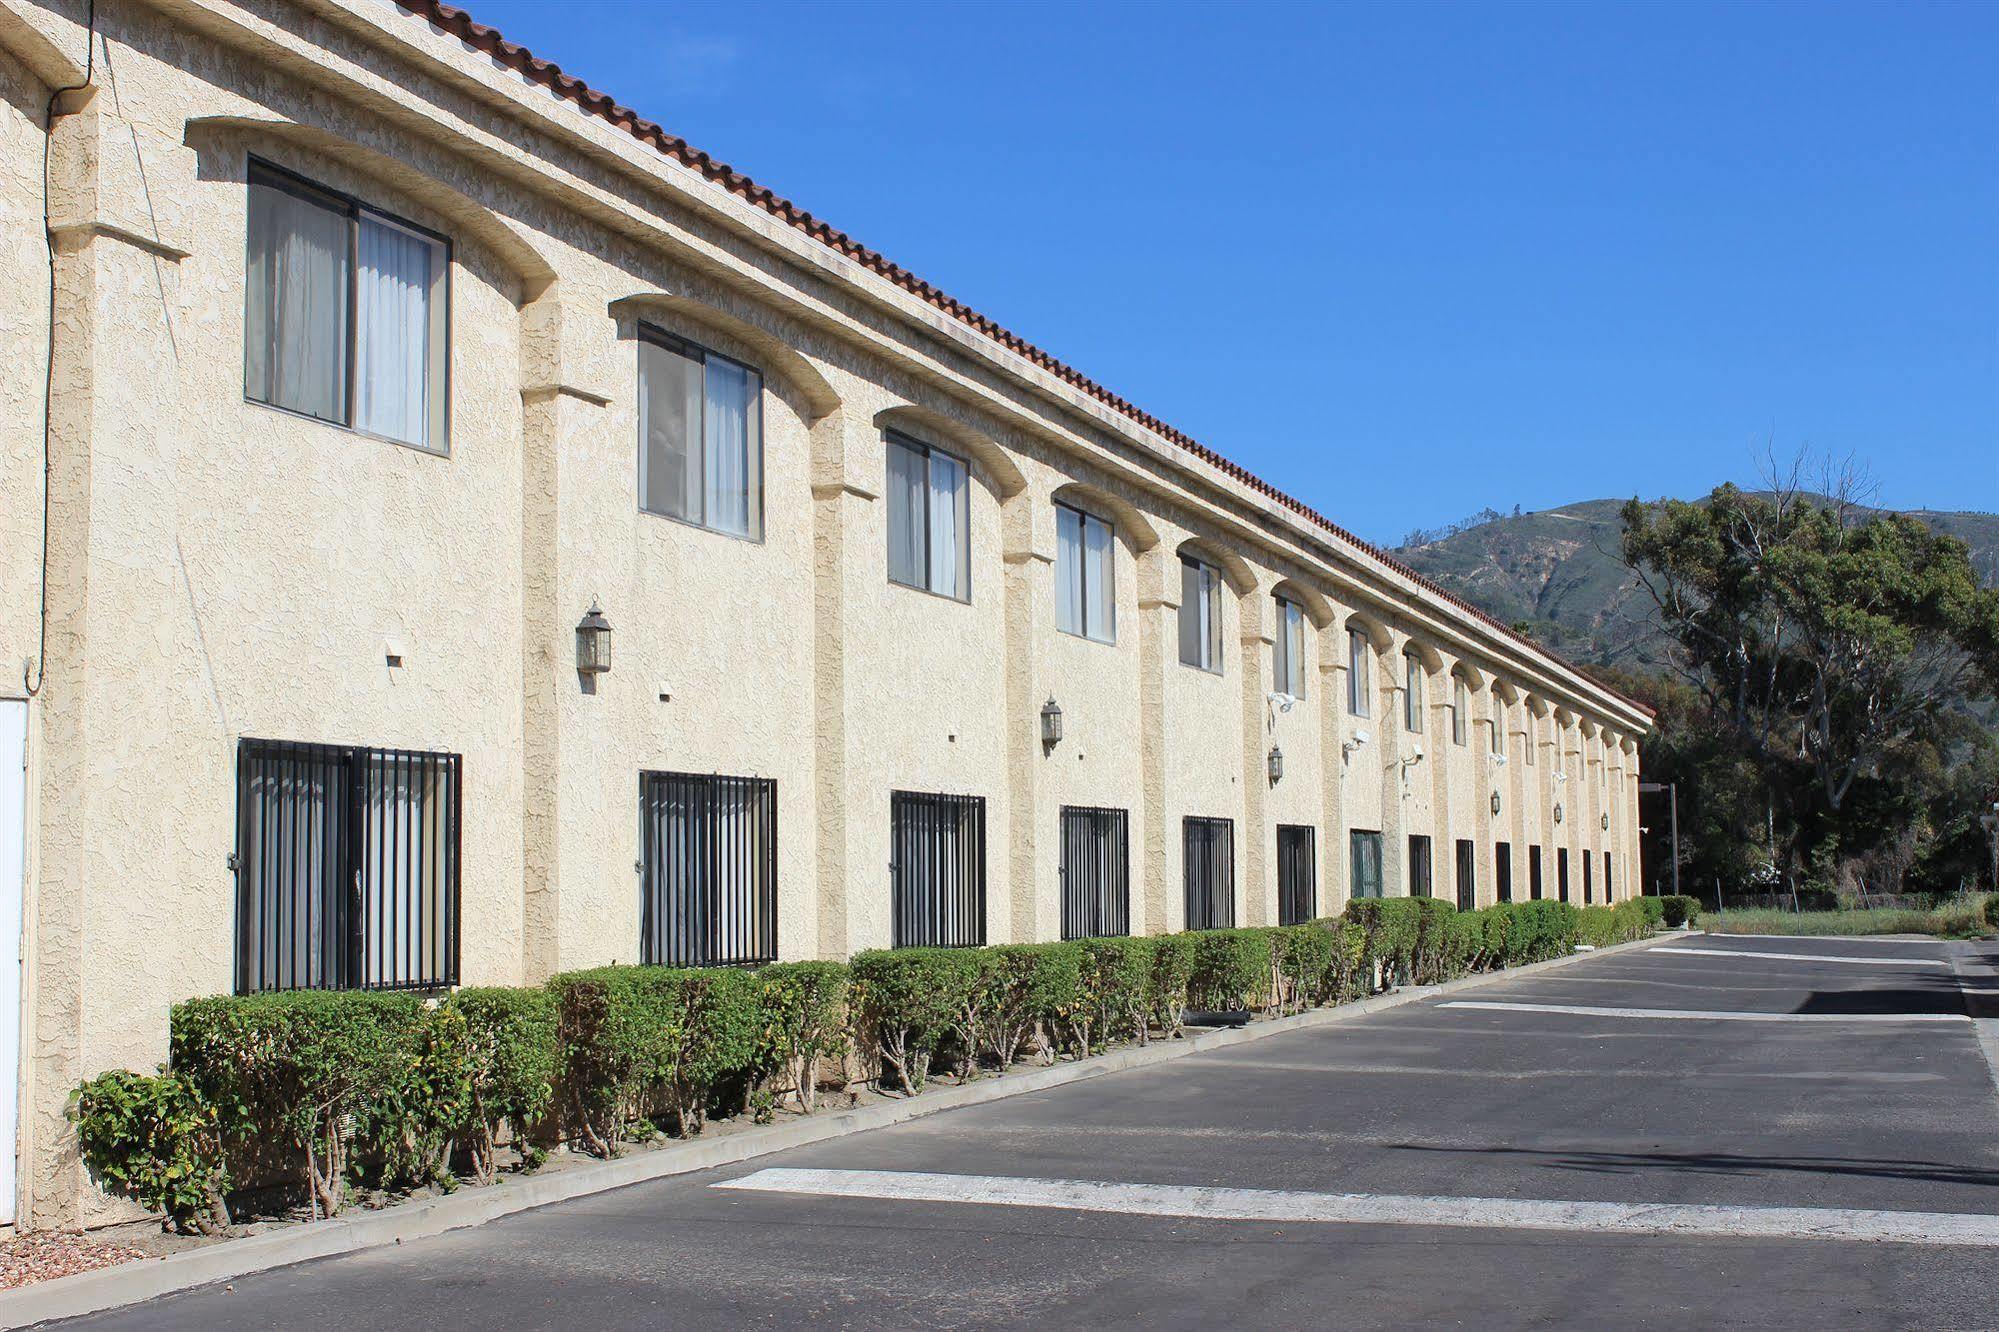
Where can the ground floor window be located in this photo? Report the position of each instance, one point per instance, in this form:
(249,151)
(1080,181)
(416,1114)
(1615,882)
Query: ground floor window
(1364,852)
(1562,873)
(937,872)
(1297,873)
(1608,895)
(1467,876)
(1586,878)
(1419,866)
(1534,873)
(346,867)
(1207,849)
(1502,871)
(1096,872)
(707,870)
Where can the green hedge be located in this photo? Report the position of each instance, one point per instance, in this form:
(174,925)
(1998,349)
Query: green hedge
(340,1089)
(1678,909)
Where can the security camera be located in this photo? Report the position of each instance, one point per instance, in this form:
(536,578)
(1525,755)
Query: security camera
(1499,760)
(1415,750)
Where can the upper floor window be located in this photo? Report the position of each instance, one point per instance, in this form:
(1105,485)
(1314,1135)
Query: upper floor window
(1460,702)
(1200,614)
(345,312)
(1533,735)
(1498,745)
(929,519)
(1412,693)
(1085,575)
(1288,663)
(701,456)
(1360,689)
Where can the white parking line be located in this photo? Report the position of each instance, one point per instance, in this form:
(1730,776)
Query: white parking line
(1584,1010)
(1272,1205)
(1809,957)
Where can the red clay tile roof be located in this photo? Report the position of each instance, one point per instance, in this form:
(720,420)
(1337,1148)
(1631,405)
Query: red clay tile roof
(550,75)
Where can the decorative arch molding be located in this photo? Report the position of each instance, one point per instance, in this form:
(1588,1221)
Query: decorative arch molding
(37,51)
(773,354)
(1235,569)
(1508,692)
(1476,678)
(1433,660)
(1376,630)
(1133,527)
(1317,609)
(937,428)
(1538,706)
(474,219)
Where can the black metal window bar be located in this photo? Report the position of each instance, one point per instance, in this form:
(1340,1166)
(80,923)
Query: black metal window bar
(1534,873)
(1608,895)
(1297,873)
(347,863)
(1364,864)
(1419,866)
(1208,860)
(1467,875)
(1096,872)
(708,870)
(1588,887)
(1502,871)
(938,873)
(1562,873)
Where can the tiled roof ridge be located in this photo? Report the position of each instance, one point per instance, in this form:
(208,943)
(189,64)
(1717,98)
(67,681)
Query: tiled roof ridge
(550,75)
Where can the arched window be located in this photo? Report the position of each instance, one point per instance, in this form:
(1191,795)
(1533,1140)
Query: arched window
(1287,667)
(1460,705)
(1360,665)
(1412,693)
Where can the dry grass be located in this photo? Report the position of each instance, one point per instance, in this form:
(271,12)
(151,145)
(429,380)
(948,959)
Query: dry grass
(1962,919)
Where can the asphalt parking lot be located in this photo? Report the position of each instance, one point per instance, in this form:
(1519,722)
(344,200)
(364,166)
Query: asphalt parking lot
(1491,1158)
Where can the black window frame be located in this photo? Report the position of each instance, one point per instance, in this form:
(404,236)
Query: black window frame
(1588,886)
(263,960)
(259,171)
(1207,872)
(1609,895)
(1422,871)
(1502,871)
(681,345)
(1091,907)
(1534,883)
(1467,874)
(697,909)
(917,833)
(1561,874)
(1297,873)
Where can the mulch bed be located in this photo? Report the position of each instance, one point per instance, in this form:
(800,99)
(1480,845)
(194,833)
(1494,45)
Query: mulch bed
(46,1254)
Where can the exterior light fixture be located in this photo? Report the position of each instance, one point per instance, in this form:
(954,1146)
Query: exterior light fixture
(1495,804)
(1603,821)
(1051,723)
(1276,762)
(1558,811)
(593,642)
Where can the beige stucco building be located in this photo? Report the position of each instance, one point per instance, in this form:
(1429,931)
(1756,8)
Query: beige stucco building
(381,352)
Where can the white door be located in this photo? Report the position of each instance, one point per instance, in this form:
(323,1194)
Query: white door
(13,862)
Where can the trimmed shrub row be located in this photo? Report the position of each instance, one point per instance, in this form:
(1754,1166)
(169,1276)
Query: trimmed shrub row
(339,1091)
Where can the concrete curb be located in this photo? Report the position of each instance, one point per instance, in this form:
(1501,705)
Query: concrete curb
(130,1283)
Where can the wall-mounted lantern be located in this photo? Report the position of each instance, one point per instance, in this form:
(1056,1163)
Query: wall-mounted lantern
(1276,763)
(1603,821)
(1051,723)
(1495,804)
(593,642)
(1558,811)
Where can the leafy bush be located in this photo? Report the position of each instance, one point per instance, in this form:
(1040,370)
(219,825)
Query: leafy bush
(153,1138)
(1678,909)
(801,1021)
(908,1001)
(1231,969)
(1654,909)
(1022,990)
(1304,966)
(1991,909)
(510,1065)
(1601,926)
(315,1070)
(1111,991)
(1166,987)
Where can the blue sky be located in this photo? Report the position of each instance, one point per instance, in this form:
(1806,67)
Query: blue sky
(1407,261)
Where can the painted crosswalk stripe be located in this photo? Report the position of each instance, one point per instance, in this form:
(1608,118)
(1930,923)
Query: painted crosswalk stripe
(1705,1015)
(1291,1207)
(1808,957)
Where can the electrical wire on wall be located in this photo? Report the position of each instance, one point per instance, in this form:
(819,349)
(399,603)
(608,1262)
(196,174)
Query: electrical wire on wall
(32,673)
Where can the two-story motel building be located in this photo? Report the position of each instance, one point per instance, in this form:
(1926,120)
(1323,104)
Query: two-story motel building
(386,385)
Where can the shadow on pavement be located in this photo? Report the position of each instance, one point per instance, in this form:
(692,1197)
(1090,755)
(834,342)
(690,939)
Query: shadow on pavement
(1930,995)
(1722,1163)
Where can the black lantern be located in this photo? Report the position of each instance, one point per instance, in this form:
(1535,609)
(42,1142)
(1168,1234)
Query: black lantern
(1495,804)
(1051,723)
(593,642)
(1603,821)
(1276,762)
(1558,811)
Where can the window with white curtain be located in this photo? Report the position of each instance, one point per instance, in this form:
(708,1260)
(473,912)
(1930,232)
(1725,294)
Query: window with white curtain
(929,519)
(1460,703)
(1287,666)
(701,457)
(1412,693)
(1085,575)
(1498,723)
(1360,667)
(345,312)
(1200,614)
